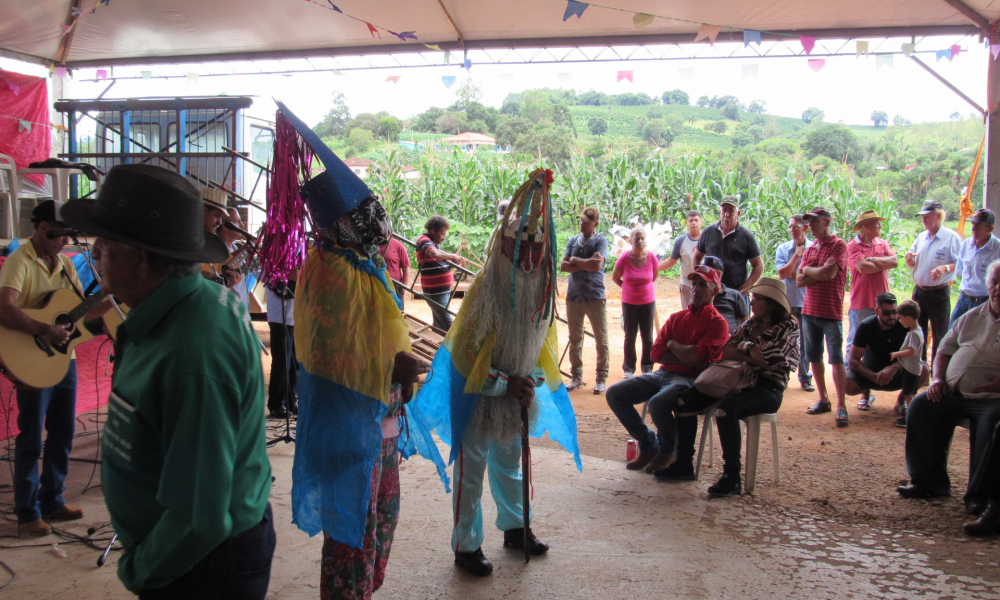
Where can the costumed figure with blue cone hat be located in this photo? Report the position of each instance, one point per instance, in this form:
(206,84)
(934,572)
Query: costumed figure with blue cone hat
(356,367)
(495,379)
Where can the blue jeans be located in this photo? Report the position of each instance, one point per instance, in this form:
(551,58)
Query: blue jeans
(438,302)
(239,567)
(855,317)
(662,389)
(54,409)
(805,377)
(964,305)
(814,329)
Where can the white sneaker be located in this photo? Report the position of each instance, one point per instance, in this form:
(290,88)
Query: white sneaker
(575,385)
(627,375)
(599,388)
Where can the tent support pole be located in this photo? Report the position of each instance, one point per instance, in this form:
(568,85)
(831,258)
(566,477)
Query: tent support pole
(992,199)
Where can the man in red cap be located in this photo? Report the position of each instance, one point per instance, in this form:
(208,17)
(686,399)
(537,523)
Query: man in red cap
(687,342)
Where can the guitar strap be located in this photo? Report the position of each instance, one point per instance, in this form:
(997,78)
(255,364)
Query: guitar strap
(72,285)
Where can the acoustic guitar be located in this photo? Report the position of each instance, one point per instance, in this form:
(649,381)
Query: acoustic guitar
(32,361)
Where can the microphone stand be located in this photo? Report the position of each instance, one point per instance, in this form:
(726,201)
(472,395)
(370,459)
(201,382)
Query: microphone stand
(289,393)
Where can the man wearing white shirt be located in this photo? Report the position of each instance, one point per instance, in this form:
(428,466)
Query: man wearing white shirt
(977,252)
(284,364)
(683,251)
(966,385)
(932,260)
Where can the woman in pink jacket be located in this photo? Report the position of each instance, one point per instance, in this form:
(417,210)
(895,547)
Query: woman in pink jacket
(634,273)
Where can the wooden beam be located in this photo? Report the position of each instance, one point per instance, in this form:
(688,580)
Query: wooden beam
(454,27)
(991,198)
(949,85)
(67,40)
(981,22)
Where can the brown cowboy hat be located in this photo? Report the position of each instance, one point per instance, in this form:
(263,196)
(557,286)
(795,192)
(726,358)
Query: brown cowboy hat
(150,208)
(866,216)
(772,288)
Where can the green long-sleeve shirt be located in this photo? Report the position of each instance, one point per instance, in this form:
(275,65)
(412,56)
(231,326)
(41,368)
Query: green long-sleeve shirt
(185,463)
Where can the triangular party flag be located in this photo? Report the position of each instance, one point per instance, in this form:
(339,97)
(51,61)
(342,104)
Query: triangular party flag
(686,73)
(750,71)
(433,46)
(468,64)
(642,19)
(102,74)
(61,72)
(66,28)
(860,48)
(338,72)
(23,125)
(147,74)
(751,35)
(447,57)
(995,50)
(448,80)
(406,35)
(192,77)
(908,48)
(816,64)
(883,60)
(373,30)
(574,8)
(76,11)
(392,78)
(808,43)
(942,54)
(52,69)
(955,50)
(709,32)
(564,76)
(334,7)
(625,75)
(14,88)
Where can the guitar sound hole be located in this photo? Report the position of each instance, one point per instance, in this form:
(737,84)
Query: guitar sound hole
(64,320)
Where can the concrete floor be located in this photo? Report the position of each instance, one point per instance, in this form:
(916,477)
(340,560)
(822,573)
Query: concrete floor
(614,534)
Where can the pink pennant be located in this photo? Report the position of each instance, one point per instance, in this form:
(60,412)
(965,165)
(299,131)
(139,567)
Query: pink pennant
(61,72)
(373,29)
(66,28)
(392,78)
(955,50)
(708,32)
(816,64)
(101,74)
(808,43)
(625,75)
(995,50)
(14,88)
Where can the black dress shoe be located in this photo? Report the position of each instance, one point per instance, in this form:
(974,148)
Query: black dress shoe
(916,491)
(988,523)
(279,413)
(726,486)
(679,471)
(514,538)
(474,562)
(975,507)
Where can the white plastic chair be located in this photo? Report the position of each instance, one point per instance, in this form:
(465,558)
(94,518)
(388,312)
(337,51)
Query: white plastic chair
(707,425)
(9,195)
(752,427)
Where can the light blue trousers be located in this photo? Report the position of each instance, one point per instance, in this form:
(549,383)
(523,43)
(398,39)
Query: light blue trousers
(504,462)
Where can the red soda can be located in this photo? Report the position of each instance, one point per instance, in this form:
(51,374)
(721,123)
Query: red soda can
(631,449)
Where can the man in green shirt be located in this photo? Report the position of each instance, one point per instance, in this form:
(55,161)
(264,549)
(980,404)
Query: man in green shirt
(186,475)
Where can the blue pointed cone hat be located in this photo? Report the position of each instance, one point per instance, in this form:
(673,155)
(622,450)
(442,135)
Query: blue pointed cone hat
(334,192)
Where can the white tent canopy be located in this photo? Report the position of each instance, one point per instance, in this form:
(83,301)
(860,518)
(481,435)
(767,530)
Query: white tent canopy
(157,31)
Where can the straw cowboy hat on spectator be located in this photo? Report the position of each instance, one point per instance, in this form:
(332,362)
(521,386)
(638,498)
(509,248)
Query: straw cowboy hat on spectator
(866,216)
(772,288)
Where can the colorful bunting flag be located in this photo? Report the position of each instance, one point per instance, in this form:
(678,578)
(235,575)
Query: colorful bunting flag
(686,73)
(67,28)
(447,57)
(642,19)
(883,60)
(147,74)
(625,75)
(995,50)
(909,49)
(574,8)
(338,72)
(448,80)
(61,72)
(101,75)
(373,30)
(816,64)
(334,7)
(192,77)
(808,43)
(23,125)
(709,32)
(955,50)
(750,71)
(468,64)
(751,35)
(392,78)
(433,46)
(942,54)
(861,48)
(14,88)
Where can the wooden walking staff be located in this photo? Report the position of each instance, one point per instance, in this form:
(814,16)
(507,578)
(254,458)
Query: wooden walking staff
(525,480)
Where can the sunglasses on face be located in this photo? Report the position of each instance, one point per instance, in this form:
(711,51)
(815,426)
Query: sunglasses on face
(888,313)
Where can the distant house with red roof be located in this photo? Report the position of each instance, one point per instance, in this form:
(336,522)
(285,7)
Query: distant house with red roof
(359,165)
(471,141)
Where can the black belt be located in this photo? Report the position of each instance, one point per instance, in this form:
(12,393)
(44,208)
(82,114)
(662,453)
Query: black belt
(932,288)
(975,298)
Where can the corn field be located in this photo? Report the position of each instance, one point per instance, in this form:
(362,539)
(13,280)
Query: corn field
(465,188)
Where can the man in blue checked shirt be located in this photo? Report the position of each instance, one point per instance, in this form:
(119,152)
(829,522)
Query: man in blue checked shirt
(977,252)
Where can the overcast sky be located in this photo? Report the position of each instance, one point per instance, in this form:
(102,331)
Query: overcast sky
(847,88)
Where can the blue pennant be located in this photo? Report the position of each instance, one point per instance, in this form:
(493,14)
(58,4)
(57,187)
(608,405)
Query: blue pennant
(574,8)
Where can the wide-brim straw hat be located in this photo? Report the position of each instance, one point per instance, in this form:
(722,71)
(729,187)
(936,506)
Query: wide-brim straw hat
(215,198)
(772,288)
(151,208)
(866,216)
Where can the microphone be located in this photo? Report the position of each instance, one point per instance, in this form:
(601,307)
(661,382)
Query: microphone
(228,225)
(58,233)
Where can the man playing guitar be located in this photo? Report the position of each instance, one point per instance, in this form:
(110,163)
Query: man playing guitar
(28,276)
(215,216)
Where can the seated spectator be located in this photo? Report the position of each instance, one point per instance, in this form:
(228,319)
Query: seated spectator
(988,522)
(966,385)
(635,272)
(687,342)
(730,303)
(914,370)
(871,366)
(768,342)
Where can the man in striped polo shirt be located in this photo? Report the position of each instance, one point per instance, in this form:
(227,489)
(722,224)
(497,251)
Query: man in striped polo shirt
(435,272)
(823,273)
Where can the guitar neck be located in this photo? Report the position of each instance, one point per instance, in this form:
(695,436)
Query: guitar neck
(81,311)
